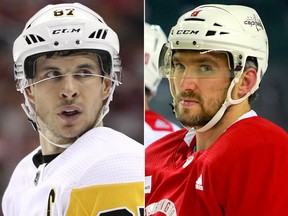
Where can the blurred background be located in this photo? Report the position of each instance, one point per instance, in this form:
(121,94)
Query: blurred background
(17,137)
(272,102)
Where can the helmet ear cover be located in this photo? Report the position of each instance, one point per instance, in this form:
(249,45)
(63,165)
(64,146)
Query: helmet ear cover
(104,57)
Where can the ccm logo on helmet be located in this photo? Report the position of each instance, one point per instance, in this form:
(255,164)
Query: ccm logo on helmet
(187,31)
(72,30)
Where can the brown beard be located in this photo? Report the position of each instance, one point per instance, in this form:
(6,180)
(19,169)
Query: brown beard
(189,119)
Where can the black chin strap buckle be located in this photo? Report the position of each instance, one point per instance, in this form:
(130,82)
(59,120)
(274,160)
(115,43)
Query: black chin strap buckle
(34,125)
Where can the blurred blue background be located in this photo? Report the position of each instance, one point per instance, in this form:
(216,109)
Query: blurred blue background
(272,102)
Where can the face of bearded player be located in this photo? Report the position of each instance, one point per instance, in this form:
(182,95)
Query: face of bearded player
(200,81)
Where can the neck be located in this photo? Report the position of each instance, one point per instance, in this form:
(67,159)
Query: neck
(207,138)
(52,145)
(47,148)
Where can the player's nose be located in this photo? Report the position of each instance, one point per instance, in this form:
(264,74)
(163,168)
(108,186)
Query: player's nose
(69,88)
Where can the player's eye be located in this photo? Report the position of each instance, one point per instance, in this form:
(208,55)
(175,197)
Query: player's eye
(84,73)
(179,68)
(53,74)
(205,68)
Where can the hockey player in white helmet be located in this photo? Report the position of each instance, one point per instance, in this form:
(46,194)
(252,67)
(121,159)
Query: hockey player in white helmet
(227,161)
(67,66)
(155,125)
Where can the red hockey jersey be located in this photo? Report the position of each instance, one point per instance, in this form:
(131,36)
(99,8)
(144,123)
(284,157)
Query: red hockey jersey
(243,173)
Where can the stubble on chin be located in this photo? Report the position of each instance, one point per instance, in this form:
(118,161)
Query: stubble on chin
(198,117)
(190,119)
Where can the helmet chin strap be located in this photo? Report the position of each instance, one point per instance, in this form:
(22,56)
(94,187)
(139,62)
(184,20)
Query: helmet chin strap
(228,102)
(32,117)
(105,108)
(64,146)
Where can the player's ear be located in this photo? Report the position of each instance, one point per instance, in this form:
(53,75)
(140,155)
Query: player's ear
(30,93)
(246,82)
(106,88)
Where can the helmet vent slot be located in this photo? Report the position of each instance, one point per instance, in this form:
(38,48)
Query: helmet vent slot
(28,26)
(217,24)
(194,19)
(210,33)
(99,34)
(31,39)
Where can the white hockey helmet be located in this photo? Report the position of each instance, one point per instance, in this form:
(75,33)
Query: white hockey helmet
(154,39)
(65,27)
(234,29)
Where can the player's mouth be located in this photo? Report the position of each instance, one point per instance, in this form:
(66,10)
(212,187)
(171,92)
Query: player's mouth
(187,102)
(70,112)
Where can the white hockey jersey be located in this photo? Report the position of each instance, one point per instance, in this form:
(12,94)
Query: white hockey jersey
(156,126)
(102,173)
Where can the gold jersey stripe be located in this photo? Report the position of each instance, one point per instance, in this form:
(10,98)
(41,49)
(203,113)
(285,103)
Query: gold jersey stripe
(100,199)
